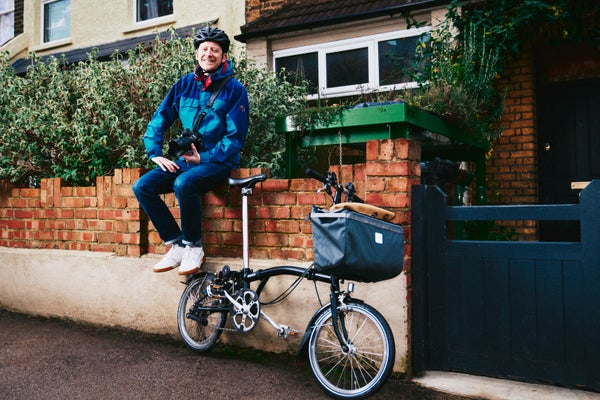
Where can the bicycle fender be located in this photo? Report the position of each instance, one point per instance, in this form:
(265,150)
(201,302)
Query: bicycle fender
(301,352)
(302,348)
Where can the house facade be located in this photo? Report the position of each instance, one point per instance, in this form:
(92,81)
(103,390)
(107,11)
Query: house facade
(74,28)
(545,154)
(343,48)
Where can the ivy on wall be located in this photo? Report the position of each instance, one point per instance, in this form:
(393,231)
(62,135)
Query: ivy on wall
(459,64)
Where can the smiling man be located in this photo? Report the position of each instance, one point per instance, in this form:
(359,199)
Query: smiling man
(213,109)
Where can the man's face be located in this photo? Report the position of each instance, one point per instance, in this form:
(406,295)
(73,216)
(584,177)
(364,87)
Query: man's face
(210,56)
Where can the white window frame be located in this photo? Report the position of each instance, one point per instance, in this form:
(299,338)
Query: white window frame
(371,43)
(43,26)
(5,14)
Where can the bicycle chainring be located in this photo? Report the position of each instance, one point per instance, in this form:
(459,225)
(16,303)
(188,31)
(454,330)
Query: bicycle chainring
(245,318)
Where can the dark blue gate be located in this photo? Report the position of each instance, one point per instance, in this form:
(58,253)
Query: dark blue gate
(520,310)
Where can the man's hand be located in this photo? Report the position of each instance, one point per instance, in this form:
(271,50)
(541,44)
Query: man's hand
(165,164)
(192,156)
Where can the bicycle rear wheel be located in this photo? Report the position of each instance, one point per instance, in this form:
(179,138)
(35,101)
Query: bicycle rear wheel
(362,368)
(199,326)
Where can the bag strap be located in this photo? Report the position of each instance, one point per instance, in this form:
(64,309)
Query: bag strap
(217,86)
(367,209)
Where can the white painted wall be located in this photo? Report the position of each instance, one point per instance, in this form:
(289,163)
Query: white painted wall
(106,290)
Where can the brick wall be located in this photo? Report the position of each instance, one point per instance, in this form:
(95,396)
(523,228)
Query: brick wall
(512,168)
(101,218)
(107,217)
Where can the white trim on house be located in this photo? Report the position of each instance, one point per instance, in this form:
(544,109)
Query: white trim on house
(370,42)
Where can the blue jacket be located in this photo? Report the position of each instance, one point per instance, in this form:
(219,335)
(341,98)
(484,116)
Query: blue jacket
(224,127)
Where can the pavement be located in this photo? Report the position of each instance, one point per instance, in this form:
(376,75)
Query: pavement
(476,387)
(55,359)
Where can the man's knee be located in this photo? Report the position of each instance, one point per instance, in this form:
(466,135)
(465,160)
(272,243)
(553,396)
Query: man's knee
(141,187)
(183,185)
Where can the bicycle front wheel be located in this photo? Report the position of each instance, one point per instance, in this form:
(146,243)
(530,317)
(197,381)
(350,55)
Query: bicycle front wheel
(199,325)
(360,368)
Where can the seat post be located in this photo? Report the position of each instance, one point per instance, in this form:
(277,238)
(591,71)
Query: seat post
(246,191)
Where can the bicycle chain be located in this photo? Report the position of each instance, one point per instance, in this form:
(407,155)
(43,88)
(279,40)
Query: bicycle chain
(236,331)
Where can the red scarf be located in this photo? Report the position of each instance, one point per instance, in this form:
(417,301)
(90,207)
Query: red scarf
(205,77)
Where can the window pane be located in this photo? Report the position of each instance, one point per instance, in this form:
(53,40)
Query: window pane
(348,68)
(57,20)
(396,59)
(300,67)
(148,9)
(6,6)
(7,20)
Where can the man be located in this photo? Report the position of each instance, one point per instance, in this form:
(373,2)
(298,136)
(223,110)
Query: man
(206,164)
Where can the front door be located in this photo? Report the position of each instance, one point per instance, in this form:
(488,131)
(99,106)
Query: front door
(569,148)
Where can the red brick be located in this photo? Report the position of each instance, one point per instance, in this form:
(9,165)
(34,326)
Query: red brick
(313,198)
(282,226)
(279,198)
(372,150)
(276,185)
(388,169)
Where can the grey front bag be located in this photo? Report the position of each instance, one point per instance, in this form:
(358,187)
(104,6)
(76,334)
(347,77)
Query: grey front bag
(356,246)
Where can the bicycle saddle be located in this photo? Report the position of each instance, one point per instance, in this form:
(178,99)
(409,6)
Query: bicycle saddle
(248,182)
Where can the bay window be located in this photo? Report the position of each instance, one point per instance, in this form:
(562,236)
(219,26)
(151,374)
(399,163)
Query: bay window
(352,66)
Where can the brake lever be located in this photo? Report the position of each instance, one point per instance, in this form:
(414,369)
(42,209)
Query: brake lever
(326,188)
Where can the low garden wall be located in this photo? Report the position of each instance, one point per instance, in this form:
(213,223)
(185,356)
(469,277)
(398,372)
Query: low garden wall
(85,253)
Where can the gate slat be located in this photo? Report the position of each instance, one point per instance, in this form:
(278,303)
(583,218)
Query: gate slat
(514,250)
(543,212)
(525,310)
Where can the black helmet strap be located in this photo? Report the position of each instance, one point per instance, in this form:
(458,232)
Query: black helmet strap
(217,86)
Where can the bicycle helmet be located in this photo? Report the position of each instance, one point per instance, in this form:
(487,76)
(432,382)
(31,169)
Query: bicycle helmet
(216,35)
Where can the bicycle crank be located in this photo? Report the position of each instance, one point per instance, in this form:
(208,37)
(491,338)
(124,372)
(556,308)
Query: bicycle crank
(246,311)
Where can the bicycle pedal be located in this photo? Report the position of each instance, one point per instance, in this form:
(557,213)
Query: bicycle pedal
(200,320)
(285,332)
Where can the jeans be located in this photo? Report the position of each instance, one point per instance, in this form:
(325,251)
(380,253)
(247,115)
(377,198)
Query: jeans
(189,183)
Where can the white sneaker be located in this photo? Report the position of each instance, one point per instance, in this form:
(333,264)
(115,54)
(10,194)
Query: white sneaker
(193,257)
(170,260)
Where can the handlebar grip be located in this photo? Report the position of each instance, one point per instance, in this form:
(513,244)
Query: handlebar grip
(314,174)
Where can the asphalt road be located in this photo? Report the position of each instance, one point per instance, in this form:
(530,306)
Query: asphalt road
(54,359)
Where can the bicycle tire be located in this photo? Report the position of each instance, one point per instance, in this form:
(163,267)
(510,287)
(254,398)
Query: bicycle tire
(365,367)
(202,332)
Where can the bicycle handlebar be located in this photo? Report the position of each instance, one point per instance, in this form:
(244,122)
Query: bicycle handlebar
(331,181)
(316,175)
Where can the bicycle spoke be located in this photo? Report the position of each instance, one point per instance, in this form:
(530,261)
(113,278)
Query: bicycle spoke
(199,327)
(363,364)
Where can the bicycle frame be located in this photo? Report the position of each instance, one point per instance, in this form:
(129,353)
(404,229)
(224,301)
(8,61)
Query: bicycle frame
(343,367)
(248,276)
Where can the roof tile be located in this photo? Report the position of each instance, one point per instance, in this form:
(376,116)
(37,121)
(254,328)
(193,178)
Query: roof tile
(299,14)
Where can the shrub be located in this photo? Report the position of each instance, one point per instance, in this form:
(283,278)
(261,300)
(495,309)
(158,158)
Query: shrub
(81,121)
(459,64)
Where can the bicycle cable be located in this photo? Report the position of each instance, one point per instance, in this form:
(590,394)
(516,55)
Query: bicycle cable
(287,291)
(317,292)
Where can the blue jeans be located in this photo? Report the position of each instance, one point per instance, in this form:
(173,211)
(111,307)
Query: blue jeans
(189,183)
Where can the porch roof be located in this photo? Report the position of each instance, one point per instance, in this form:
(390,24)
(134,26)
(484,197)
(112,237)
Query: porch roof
(296,15)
